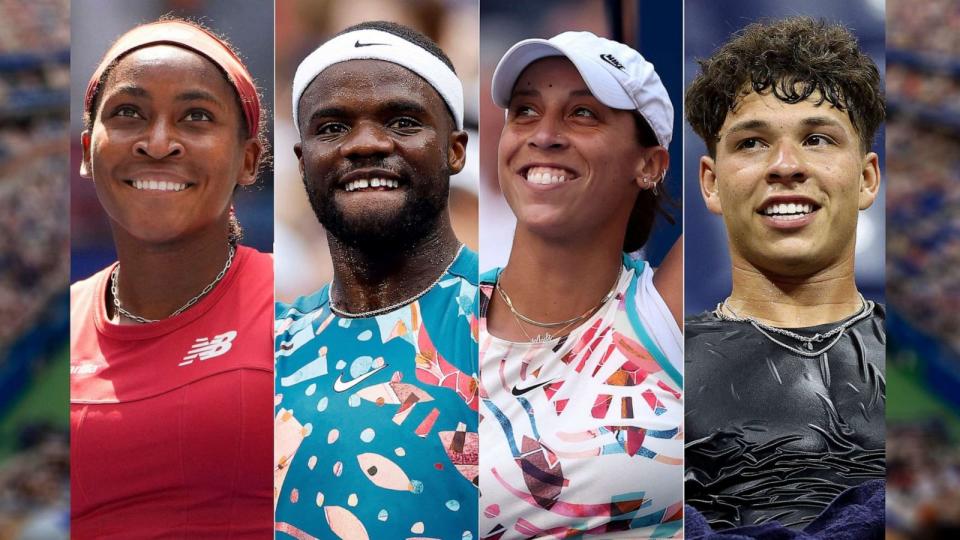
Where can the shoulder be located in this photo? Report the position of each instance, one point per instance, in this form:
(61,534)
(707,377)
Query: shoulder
(490,276)
(466,265)
(303,305)
(704,328)
(255,263)
(83,293)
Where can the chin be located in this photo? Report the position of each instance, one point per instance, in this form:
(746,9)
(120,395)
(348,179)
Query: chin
(372,229)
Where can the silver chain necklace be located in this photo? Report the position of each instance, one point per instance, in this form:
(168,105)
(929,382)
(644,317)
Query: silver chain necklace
(379,311)
(114,286)
(866,308)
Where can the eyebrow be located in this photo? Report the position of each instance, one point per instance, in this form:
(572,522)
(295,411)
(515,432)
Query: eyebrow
(189,95)
(131,90)
(813,121)
(197,95)
(535,93)
(393,106)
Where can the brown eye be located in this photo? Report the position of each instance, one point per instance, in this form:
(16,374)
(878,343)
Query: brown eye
(584,112)
(126,111)
(818,140)
(198,115)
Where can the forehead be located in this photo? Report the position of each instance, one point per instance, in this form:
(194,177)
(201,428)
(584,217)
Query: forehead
(358,85)
(552,72)
(163,67)
(753,109)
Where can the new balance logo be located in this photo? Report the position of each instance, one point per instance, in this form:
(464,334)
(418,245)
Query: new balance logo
(609,58)
(205,348)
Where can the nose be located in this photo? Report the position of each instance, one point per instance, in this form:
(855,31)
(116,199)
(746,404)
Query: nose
(786,164)
(158,142)
(366,139)
(548,134)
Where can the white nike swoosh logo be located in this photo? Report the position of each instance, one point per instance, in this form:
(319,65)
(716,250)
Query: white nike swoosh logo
(340,386)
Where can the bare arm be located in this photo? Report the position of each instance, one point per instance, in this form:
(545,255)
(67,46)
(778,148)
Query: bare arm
(668,279)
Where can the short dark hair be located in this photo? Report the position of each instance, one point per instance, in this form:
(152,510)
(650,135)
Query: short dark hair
(648,203)
(411,35)
(792,58)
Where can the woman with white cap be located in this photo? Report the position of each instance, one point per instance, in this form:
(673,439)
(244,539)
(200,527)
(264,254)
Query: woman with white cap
(580,343)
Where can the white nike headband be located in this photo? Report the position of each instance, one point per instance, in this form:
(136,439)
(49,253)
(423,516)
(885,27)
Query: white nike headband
(369,44)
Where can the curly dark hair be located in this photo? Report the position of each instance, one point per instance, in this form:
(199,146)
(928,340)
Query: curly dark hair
(793,58)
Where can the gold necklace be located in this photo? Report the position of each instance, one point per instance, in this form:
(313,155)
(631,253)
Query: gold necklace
(547,336)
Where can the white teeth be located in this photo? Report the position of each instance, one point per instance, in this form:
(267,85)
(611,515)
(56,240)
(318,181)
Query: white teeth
(788,209)
(372,183)
(546,175)
(155,185)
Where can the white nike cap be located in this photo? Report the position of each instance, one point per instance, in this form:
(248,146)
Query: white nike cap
(618,76)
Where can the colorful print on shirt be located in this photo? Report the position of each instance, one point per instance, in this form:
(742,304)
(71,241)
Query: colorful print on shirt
(581,436)
(376,418)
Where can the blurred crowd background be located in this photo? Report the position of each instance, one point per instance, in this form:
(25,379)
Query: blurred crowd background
(302,260)
(96,24)
(654,28)
(923,285)
(34,448)
(710,24)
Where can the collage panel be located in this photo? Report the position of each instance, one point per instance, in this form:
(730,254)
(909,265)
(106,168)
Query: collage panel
(34,304)
(376,321)
(170,355)
(785,335)
(580,341)
(923,354)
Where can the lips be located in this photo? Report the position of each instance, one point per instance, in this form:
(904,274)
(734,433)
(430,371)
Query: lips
(788,211)
(366,180)
(158,185)
(383,184)
(548,174)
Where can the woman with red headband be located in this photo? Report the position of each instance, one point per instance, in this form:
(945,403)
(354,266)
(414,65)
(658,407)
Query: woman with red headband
(171,353)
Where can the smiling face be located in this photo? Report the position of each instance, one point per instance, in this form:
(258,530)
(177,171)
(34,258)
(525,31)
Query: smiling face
(789,180)
(569,166)
(377,151)
(165,150)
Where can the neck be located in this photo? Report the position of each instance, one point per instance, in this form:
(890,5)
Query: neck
(367,279)
(824,297)
(157,279)
(552,281)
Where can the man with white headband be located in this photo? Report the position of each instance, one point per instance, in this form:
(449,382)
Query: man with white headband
(376,394)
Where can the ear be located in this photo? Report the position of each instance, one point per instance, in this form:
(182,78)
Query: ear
(652,165)
(869,180)
(298,150)
(252,152)
(86,165)
(708,185)
(457,151)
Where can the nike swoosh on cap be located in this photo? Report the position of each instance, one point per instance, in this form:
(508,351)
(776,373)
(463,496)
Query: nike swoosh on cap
(340,386)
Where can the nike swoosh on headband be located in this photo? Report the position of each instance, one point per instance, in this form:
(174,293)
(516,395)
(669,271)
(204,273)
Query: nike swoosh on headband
(358,44)
(517,391)
(340,386)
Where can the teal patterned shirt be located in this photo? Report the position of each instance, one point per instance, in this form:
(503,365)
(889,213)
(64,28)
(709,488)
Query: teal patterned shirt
(376,418)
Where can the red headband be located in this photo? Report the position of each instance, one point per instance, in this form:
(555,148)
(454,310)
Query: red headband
(189,37)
